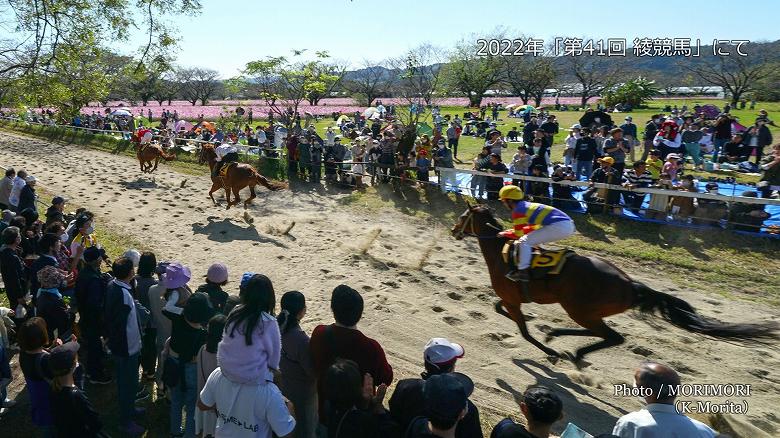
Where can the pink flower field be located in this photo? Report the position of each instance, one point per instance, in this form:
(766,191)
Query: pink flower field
(343,105)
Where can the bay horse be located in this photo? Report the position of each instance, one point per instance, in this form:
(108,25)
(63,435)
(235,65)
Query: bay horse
(589,289)
(238,176)
(151,153)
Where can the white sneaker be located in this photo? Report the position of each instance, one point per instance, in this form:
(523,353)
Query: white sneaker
(8,403)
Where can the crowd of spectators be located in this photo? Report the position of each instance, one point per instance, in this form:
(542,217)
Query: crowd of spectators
(229,365)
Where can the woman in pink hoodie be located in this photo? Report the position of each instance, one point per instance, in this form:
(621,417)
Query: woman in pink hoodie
(251,346)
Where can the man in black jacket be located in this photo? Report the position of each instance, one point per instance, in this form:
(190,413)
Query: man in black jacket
(528,131)
(123,328)
(12,268)
(91,296)
(27,195)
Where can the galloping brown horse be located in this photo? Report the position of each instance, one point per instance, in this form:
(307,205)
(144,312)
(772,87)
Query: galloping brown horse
(238,176)
(151,153)
(589,289)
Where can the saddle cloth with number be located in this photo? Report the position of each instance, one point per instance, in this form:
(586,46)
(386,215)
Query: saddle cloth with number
(225,167)
(543,262)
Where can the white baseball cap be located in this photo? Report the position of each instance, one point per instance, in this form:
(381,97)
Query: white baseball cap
(440,350)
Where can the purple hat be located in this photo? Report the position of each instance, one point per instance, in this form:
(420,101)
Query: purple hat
(217,273)
(176,275)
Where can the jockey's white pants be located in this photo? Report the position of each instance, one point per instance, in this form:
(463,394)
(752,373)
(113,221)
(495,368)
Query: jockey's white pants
(548,233)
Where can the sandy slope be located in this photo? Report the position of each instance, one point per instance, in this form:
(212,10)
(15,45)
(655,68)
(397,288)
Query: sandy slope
(408,300)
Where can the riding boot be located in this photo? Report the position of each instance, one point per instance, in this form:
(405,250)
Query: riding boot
(518,275)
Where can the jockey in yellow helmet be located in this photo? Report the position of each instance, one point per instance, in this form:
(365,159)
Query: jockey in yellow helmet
(533,224)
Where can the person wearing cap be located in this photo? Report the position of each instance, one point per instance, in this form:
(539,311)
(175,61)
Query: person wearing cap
(84,237)
(617,147)
(55,211)
(74,415)
(445,397)
(16,190)
(495,142)
(226,153)
(660,417)
(123,322)
(6,184)
(216,278)
(585,150)
(533,225)
(344,340)
(90,293)
(541,408)
(493,184)
(671,166)
(423,164)
(571,143)
(187,337)
(27,195)
(605,174)
(177,292)
(630,134)
(668,139)
(50,304)
(439,357)
(735,150)
(710,211)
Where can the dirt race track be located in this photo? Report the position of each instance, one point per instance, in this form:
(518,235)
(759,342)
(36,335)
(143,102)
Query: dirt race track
(417,281)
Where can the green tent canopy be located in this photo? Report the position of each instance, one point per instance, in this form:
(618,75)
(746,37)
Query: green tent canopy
(424,128)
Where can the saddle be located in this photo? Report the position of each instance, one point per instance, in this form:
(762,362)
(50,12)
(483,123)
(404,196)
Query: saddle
(544,262)
(225,167)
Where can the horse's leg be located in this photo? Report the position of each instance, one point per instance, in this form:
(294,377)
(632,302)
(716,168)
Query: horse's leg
(156,162)
(252,195)
(567,332)
(499,308)
(601,329)
(214,187)
(519,319)
(236,196)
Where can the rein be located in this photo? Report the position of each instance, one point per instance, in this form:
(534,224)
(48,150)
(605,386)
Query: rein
(469,223)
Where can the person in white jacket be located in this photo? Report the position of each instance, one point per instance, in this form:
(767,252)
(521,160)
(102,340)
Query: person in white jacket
(16,190)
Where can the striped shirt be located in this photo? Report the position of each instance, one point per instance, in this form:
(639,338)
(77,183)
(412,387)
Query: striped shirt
(530,216)
(643,180)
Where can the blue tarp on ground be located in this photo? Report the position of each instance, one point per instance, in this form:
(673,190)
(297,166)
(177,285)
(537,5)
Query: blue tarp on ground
(464,181)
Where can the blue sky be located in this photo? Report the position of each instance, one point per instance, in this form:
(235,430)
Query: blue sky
(228,33)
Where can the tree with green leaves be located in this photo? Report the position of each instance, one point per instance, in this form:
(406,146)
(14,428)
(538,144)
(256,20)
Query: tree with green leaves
(471,75)
(634,92)
(285,83)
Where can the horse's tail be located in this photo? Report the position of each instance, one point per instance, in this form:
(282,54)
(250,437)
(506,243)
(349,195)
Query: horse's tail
(265,182)
(683,315)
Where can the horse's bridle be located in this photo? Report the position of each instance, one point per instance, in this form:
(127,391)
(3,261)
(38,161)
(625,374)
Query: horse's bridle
(462,231)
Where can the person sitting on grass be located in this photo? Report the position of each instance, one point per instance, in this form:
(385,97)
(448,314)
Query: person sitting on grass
(636,178)
(541,408)
(735,151)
